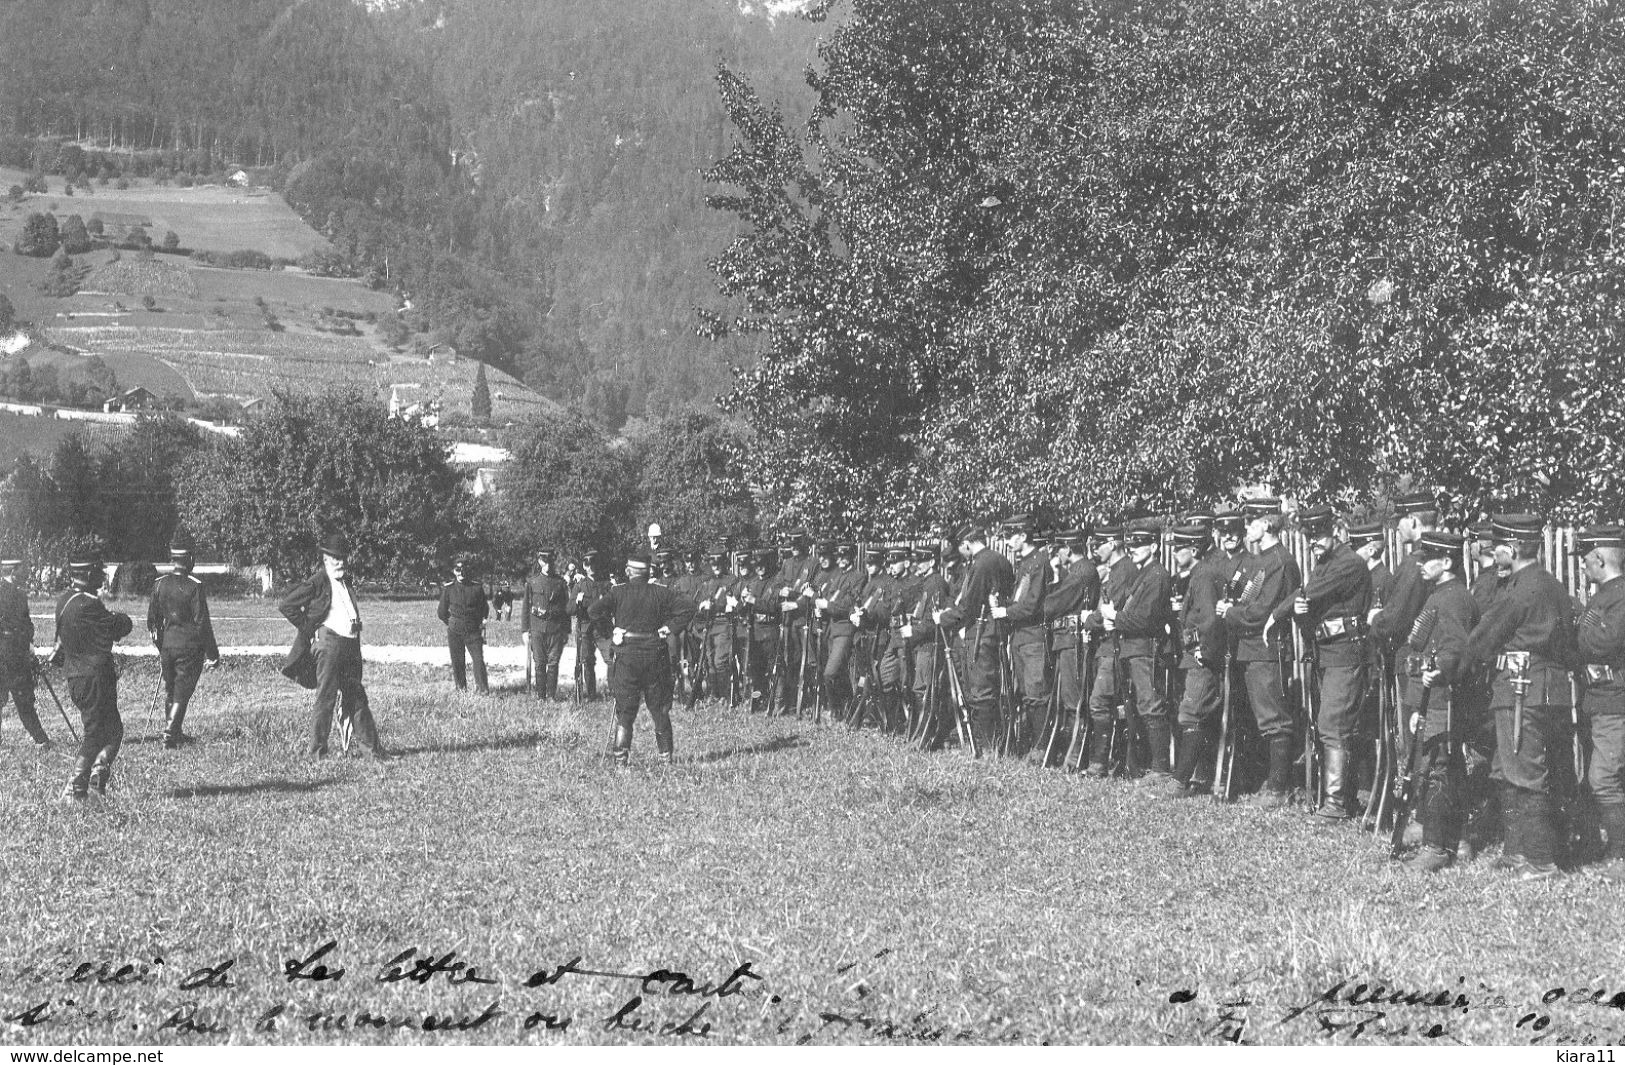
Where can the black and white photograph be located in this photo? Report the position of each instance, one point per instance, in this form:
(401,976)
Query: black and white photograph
(874,523)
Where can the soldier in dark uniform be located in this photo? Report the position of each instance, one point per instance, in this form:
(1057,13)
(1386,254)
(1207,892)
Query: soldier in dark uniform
(1202,653)
(1023,617)
(896,663)
(1527,637)
(842,591)
(1116,571)
(324,610)
(17,647)
(717,600)
(1491,574)
(640,616)
(585,590)
(1418,513)
(463,610)
(759,605)
(1458,735)
(1601,635)
(545,623)
(1139,624)
(1331,610)
(927,670)
(1268,580)
(85,633)
(989,579)
(1370,542)
(178,621)
(1074,595)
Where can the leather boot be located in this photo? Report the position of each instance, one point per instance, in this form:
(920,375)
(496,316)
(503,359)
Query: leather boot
(1274,792)
(1612,817)
(173,736)
(1538,836)
(78,786)
(623,744)
(1334,766)
(1511,829)
(1192,747)
(1158,733)
(101,772)
(1100,748)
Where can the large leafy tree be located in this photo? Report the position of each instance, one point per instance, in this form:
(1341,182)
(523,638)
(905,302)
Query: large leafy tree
(1031,251)
(339,462)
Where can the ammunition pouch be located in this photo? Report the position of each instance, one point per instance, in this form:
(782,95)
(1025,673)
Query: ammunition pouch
(1599,673)
(1514,662)
(1346,626)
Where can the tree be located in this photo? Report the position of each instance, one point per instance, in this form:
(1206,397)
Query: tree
(690,479)
(311,464)
(74,236)
(15,193)
(39,237)
(63,278)
(393,330)
(172,240)
(8,314)
(481,401)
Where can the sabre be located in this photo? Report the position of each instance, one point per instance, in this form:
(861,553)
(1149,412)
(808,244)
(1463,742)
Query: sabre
(41,674)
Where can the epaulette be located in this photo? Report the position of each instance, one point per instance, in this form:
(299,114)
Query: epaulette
(188,576)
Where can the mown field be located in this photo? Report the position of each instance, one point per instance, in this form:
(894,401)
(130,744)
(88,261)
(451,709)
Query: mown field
(782,883)
(39,436)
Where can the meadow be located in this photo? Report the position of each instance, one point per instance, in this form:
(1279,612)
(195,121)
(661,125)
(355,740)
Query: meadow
(499,882)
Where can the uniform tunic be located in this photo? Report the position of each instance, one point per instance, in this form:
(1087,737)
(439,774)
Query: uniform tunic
(1602,650)
(1339,595)
(642,669)
(463,610)
(17,658)
(546,616)
(1266,581)
(1458,734)
(86,631)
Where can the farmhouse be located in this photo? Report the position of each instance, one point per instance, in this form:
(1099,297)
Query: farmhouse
(137,398)
(442,353)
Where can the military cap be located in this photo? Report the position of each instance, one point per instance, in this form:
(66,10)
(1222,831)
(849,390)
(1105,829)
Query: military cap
(464,561)
(1143,532)
(970,531)
(874,556)
(1595,536)
(1106,531)
(846,549)
(1437,543)
(180,546)
(787,551)
(923,554)
(10,555)
(1412,502)
(716,551)
(1068,538)
(1482,530)
(1365,532)
(898,554)
(1317,521)
(826,549)
(696,556)
(1204,518)
(336,544)
(1192,535)
(1022,523)
(1039,537)
(84,561)
(590,558)
(664,556)
(639,560)
(1259,506)
(1517,526)
(1230,523)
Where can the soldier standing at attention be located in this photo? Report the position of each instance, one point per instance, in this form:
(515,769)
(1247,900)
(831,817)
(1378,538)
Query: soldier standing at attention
(1526,636)
(1202,644)
(545,624)
(1024,617)
(178,620)
(1267,580)
(988,578)
(1332,609)
(463,610)
(1065,605)
(1602,649)
(1138,623)
(1116,571)
(1391,624)
(760,599)
(586,589)
(17,647)
(640,617)
(841,593)
(85,633)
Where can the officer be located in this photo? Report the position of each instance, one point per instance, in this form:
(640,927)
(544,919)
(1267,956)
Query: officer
(1526,636)
(1023,617)
(1074,594)
(794,581)
(1201,650)
(85,633)
(1332,613)
(640,617)
(1602,650)
(17,646)
(589,584)
(1267,580)
(178,621)
(545,624)
(463,610)
(1458,735)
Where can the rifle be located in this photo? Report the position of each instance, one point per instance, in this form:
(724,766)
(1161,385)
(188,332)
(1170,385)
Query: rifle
(818,678)
(750,644)
(967,734)
(1406,791)
(703,672)
(1308,685)
(1224,767)
(580,695)
(1089,665)
(1518,665)
(1376,804)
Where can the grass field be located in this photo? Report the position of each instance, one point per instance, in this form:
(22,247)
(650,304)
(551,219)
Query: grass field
(39,436)
(809,884)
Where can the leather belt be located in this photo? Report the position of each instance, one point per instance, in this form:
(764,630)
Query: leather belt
(1350,626)
(1599,673)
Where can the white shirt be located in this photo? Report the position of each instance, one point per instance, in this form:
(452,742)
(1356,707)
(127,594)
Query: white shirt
(343,618)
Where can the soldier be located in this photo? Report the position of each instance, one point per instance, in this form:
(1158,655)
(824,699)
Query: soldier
(760,606)
(1069,600)
(988,579)
(1116,571)
(1458,734)
(1491,575)
(85,633)
(842,590)
(545,623)
(1391,624)
(717,600)
(1602,649)
(178,621)
(463,610)
(870,632)
(1028,640)
(586,590)
(1139,625)
(1527,637)
(1331,610)
(640,617)
(17,647)
(1202,649)
(923,644)
(895,658)
(692,653)
(794,581)
(324,610)
(1267,579)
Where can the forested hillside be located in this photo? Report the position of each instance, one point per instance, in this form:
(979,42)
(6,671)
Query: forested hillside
(524,170)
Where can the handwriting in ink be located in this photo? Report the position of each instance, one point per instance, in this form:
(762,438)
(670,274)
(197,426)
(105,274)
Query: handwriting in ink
(309,969)
(427,968)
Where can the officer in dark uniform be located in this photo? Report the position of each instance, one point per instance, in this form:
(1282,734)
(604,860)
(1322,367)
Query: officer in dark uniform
(17,646)
(1116,570)
(178,621)
(1527,637)
(1332,611)
(1265,581)
(463,610)
(1418,513)
(1023,617)
(796,577)
(585,590)
(545,624)
(1202,654)
(1602,650)
(640,616)
(1458,735)
(85,633)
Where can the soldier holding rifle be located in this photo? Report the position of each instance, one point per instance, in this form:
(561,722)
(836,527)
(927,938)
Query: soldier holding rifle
(1029,643)
(17,646)
(1602,650)
(1116,571)
(1527,638)
(1202,642)
(988,578)
(1065,606)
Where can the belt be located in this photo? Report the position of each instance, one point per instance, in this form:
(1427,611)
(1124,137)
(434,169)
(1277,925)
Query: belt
(642,636)
(1414,665)
(1598,673)
(1337,628)
(1066,625)
(1525,660)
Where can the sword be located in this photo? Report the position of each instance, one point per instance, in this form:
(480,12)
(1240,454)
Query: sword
(41,674)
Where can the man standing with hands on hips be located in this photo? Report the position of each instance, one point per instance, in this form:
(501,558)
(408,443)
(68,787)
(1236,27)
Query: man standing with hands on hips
(640,617)
(324,609)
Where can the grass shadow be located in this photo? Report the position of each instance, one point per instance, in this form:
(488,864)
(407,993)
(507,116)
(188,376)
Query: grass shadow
(501,743)
(209,791)
(773,746)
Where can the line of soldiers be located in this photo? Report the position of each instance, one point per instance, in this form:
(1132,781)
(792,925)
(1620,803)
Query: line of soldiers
(1202,660)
